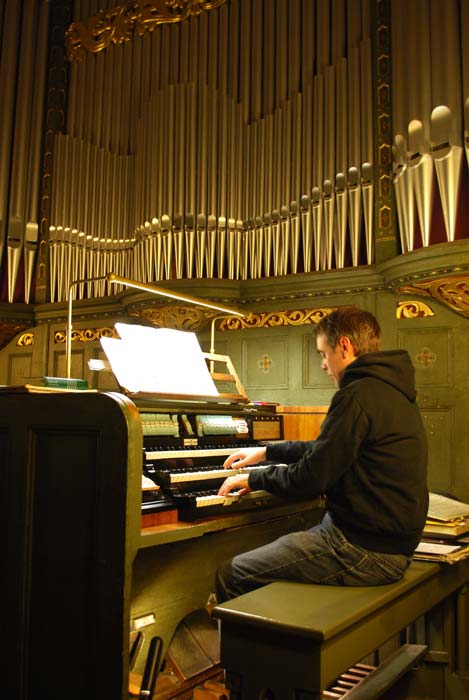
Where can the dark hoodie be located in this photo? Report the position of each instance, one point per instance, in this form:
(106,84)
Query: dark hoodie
(370,459)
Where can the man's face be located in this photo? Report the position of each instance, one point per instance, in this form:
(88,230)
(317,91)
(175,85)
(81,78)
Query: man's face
(334,360)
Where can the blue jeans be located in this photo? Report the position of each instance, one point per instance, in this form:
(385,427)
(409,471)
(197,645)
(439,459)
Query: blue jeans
(319,555)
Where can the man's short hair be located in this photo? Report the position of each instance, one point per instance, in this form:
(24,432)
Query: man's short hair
(359,326)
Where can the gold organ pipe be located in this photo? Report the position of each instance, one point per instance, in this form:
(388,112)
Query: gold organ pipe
(308,15)
(223,156)
(170,127)
(222,55)
(307,140)
(8,54)
(329,125)
(354,141)
(341,116)
(367,102)
(280,55)
(323,34)
(446,63)
(417,15)
(32,223)
(464,24)
(202,150)
(191,150)
(20,171)
(295,192)
(251,62)
(287,153)
(293,61)
(213,154)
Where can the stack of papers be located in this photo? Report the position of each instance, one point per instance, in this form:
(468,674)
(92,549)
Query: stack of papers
(435,551)
(445,537)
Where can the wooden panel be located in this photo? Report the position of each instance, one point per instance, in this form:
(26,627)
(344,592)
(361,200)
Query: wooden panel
(302,422)
(431,353)
(439,424)
(313,376)
(19,369)
(64,462)
(266,362)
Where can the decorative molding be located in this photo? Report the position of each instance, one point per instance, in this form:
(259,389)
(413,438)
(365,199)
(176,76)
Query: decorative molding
(86,335)
(192,319)
(413,309)
(119,24)
(453,292)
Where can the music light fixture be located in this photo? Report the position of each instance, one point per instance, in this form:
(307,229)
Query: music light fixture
(143,286)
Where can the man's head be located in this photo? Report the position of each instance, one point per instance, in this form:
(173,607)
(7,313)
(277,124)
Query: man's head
(342,336)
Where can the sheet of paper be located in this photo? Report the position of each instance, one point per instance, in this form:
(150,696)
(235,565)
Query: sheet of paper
(158,360)
(436,548)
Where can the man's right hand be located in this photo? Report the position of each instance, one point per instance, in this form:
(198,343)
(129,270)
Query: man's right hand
(243,458)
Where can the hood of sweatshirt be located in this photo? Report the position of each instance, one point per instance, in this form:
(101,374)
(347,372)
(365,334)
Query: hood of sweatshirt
(391,366)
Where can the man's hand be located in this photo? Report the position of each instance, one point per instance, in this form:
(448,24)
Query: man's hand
(238,483)
(243,458)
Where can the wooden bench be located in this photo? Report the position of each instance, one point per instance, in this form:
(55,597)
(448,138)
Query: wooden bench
(292,640)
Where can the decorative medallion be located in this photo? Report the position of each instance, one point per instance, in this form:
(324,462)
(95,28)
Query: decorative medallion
(265,363)
(119,24)
(450,291)
(425,358)
(413,309)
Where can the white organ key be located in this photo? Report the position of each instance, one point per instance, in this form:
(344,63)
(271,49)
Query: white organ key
(212,474)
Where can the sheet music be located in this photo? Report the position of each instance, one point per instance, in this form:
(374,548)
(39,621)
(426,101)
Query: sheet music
(158,360)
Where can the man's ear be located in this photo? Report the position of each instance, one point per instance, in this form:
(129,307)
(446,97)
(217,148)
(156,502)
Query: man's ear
(346,346)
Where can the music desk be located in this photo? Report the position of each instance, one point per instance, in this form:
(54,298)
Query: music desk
(294,639)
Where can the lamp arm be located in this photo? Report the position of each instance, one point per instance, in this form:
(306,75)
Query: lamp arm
(161,291)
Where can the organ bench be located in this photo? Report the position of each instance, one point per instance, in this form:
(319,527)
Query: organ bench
(291,640)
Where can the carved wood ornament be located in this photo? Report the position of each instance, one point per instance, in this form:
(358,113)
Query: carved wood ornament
(119,24)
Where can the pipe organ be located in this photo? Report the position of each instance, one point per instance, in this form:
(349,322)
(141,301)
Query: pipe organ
(240,143)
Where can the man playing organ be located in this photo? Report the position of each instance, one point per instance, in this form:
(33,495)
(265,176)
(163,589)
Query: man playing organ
(369,462)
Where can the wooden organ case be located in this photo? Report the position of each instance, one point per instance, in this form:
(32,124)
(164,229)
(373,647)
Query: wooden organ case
(86,587)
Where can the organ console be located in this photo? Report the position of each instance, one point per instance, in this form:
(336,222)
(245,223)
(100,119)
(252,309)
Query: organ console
(109,543)
(184,454)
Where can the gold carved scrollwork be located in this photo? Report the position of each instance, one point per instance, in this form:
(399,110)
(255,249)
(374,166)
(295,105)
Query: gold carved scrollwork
(25,340)
(85,335)
(182,318)
(8,331)
(273,319)
(118,24)
(450,291)
(413,309)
